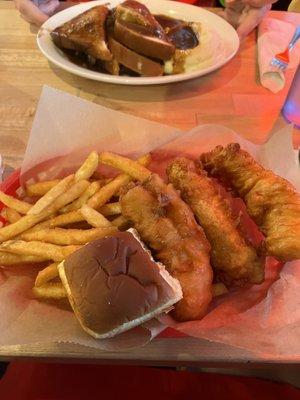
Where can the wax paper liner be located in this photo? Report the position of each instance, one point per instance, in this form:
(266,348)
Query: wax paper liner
(264,319)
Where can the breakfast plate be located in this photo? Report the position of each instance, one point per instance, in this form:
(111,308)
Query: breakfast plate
(219,42)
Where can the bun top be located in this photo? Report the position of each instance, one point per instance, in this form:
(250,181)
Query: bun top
(113,281)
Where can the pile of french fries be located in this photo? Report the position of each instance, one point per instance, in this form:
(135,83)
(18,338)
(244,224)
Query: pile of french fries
(41,230)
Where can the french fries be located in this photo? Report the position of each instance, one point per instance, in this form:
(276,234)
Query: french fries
(40,188)
(219,289)
(88,167)
(129,167)
(24,223)
(60,220)
(12,215)
(40,249)
(111,188)
(28,221)
(50,291)
(105,193)
(65,237)
(8,259)
(94,218)
(73,192)
(120,222)
(20,206)
(89,192)
(110,209)
(40,232)
(46,275)
(50,196)
(144,160)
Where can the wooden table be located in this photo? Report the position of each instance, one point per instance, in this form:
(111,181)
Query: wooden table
(220,97)
(216,98)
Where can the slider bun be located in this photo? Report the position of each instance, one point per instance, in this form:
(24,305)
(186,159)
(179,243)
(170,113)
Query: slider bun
(113,284)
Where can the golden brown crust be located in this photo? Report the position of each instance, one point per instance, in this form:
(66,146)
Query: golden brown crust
(271,201)
(168,226)
(86,33)
(235,261)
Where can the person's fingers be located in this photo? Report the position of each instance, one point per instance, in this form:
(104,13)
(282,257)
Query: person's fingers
(245,17)
(250,18)
(49,7)
(30,12)
(234,3)
(37,19)
(258,3)
(232,16)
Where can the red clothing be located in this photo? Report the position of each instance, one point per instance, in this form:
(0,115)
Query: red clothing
(39,381)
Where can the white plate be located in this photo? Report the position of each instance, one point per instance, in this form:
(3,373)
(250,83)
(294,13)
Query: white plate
(228,37)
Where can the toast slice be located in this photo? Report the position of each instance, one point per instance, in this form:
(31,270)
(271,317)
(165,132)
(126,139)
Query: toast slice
(85,33)
(137,13)
(136,28)
(112,66)
(133,61)
(142,40)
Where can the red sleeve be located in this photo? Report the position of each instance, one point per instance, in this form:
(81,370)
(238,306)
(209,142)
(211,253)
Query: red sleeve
(32,381)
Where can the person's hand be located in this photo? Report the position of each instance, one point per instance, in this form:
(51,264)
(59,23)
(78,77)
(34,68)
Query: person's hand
(258,3)
(36,15)
(245,15)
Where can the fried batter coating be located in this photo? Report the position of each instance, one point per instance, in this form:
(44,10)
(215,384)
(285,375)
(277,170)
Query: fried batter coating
(168,226)
(271,201)
(234,261)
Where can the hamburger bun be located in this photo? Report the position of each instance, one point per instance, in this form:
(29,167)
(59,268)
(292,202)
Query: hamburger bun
(113,284)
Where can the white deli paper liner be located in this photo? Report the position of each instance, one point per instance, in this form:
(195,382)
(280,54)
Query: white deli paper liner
(265,318)
(68,127)
(65,124)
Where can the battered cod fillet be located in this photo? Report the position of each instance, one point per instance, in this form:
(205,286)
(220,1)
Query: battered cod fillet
(233,259)
(271,201)
(168,226)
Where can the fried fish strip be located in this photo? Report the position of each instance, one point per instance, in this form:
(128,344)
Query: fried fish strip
(234,260)
(271,201)
(168,226)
